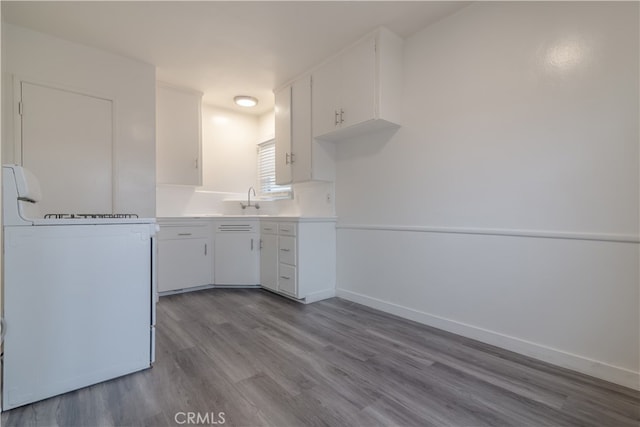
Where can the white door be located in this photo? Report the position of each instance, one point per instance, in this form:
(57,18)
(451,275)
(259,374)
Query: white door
(67,140)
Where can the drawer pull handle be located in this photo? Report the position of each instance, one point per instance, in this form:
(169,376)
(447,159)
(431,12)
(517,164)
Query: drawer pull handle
(184,234)
(284,250)
(285,277)
(268,229)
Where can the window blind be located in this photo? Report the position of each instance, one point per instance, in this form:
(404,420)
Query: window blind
(267,172)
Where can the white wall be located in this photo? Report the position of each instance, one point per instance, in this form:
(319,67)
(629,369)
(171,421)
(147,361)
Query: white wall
(266,126)
(131,84)
(229,150)
(506,208)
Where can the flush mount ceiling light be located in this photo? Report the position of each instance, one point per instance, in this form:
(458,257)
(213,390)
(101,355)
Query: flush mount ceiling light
(245,101)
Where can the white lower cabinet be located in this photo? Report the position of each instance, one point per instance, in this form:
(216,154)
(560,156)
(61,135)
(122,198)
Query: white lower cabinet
(184,255)
(301,256)
(269,255)
(237,253)
(295,257)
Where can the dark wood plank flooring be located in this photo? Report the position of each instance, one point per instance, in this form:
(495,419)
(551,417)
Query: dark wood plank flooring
(266,361)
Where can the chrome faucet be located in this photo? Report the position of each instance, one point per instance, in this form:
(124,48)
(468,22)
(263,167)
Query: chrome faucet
(248,205)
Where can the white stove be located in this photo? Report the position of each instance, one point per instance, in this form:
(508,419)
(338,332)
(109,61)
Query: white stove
(21,194)
(79,295)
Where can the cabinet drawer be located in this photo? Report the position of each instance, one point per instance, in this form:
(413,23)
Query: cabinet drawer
(287,250)
(287,228)
(287,282)
(183,232)
(268,227)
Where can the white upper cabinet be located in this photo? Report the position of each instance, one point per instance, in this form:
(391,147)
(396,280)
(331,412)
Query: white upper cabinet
(358,77)
(326,103)
(178,136)
(299,157)
(283,136)
(359,90)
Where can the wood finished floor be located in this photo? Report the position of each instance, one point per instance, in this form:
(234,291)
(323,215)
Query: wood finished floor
(266,361)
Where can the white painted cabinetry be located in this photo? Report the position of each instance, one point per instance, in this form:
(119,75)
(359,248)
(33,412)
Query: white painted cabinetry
(237,252)
(299,158)
(184,255)
(287,260)
(298,258)
(269,255)
(283,135)
(293,256)
(359,90)
(178,136)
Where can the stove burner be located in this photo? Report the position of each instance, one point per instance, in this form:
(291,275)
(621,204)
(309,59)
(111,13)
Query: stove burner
(85,216)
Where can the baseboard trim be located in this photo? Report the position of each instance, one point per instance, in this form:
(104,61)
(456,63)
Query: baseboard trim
(200,288)
(594,368)
(318,296)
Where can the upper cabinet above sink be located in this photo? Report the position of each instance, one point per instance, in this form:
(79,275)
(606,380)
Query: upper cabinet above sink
(359,90)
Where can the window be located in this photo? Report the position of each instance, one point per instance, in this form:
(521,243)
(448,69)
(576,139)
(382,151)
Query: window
(267,173)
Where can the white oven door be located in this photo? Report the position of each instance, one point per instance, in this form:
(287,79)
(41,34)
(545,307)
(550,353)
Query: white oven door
(77,304)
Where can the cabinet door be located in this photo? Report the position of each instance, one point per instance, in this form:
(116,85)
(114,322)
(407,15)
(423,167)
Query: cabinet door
(283,136)
(326,97)
(183,263)
(301,129)
(269,261)
(358,83)
(237,259)
(178,136)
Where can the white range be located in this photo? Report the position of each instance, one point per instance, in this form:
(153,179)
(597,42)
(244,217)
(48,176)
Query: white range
(79,295)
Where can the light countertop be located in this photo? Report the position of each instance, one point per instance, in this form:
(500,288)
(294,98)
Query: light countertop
(301,218)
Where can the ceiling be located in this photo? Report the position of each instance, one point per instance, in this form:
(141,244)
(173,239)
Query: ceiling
(227,48)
